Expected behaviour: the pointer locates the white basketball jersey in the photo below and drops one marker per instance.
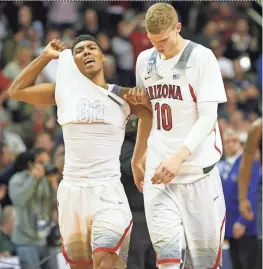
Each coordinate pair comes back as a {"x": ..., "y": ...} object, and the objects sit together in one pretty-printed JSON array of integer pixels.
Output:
[
  {"x": 174, "y": 89},
  {"x": 93, "y": 121}
]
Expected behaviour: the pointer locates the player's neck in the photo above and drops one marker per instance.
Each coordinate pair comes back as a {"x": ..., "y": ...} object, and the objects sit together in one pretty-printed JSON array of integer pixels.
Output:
[
  {"x": 99, "y": 80},
  {"x": 180, "y": 44}
]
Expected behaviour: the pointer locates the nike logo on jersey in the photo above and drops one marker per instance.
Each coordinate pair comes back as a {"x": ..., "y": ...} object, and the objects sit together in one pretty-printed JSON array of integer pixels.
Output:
[
  {"x": 176, "y": 76},
  {"x": 146, "y": 78},
  {"x": 216, "y": 197}
]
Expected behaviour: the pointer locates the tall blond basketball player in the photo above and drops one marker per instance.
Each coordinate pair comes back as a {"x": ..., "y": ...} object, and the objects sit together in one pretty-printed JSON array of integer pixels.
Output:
[
  {"x": 94, "y": 216},
  {"x": 182, "y": 188}
]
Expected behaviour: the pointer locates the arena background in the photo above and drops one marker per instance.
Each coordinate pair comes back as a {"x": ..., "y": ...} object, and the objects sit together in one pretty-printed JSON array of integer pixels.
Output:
[{"x": 233, "y": 30}]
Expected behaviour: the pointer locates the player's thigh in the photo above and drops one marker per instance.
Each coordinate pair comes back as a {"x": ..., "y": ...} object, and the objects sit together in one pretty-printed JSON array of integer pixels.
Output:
[
  {"x": 75, "y": 223},
  {"x": 112, "y": 223},
  {"x": 164, "y": 222},
  {"x": 203, "y": 213}
]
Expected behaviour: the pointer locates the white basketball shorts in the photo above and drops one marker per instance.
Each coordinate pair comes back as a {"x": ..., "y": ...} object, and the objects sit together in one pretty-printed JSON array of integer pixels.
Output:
[
  {"x": 93, "y": 219},
  {"x": 194, "y": 212}
]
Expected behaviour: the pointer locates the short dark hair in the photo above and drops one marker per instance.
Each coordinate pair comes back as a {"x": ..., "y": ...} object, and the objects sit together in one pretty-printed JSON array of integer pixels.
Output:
[
  {"x": 34, "y": 153},
  {"x": 81, "y": 38}
]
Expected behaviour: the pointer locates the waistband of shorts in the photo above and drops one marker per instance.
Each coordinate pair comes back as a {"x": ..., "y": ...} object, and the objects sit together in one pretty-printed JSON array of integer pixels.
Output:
[
  {"x": 90, "y": 182},
  {"x": 196, "y": 170}
]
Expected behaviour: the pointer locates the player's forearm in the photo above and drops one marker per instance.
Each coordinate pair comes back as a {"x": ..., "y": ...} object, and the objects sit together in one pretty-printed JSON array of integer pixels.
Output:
[
  {"x": 143, "y": 132},
  {"x": 250, "y": 149},
  {"x": 201, "y": 129},
  {"x": 244, "y": 175},
  {"x": 29, "y": 75}
]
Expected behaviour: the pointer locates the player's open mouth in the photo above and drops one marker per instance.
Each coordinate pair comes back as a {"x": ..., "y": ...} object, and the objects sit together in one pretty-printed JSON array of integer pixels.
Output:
[{"x": 89, "y": 61}]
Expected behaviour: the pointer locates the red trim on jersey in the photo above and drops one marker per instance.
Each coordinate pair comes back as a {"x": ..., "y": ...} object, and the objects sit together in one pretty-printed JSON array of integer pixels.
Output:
[
  {"x": 114, "y": 249},
  {"x": 216, "y": 147},
  {"x": 192, "y": 92},
  {"x": 75, "y": 262},
  {"x": 164, "y": 261},
  {"x": 219, "y": 253}
]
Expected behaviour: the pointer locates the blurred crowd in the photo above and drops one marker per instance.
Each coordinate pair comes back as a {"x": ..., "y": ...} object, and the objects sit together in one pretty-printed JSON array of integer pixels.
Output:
[{"x": 30, "y": 136}]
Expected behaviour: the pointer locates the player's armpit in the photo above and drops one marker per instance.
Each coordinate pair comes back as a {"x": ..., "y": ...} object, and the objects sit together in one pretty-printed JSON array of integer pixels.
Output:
[{"x": 40, "y": 94}]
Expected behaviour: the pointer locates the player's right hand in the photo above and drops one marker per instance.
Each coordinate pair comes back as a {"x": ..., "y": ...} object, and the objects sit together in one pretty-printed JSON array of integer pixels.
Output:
[
  {"x": 245, "y": 209},
  {"x": 138, "y": 175},
  {"x": 53, "y": 49},
  {"x": 38, "y": 171}
]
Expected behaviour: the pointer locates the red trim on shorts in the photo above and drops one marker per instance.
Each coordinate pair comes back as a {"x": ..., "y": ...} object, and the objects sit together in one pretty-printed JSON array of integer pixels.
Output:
[
  {"x": 75, "y": 262},
  {"x": 192, "y": 92},
  {"x": 216, "y": 147},
  {"x": 114, "y": 249},
  {"x": 219, "y": 253},
  {"x": 164, "y": 261}
]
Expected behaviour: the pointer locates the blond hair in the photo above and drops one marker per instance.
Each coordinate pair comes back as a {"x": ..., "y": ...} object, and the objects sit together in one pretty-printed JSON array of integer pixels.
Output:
[
  {"x": 160, "y": 17},
  {"x": 231, "y": 131},
  {"x": 7, "y": 214}
]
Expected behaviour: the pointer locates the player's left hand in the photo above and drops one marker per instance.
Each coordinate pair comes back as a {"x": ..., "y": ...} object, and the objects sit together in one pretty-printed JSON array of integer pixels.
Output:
[
  {"x": 167, "y": 170},
  {"x": 238, "y": 230},
  {"x": 136, "y": 96}
]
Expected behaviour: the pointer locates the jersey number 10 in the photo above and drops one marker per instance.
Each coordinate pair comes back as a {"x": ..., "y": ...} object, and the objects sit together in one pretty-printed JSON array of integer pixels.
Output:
[{"x": 164, "y": 117}]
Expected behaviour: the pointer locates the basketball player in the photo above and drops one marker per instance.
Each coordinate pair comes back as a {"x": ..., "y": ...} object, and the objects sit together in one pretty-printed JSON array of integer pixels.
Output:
[
  {"x": 253, "y": 143},
  {"x": 94, "y": 215},
  {"x": 182, "y": 187}
]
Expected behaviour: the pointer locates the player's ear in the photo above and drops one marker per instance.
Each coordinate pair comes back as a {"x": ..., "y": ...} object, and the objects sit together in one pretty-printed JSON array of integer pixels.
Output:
[
  {"x": 104, "y": 58},
  {"x": 178, "y": 27}
]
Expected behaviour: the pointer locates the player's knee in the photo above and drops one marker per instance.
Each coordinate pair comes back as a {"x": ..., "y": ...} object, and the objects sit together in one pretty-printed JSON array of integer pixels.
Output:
[
  {"x": 106, "y": 261},
  {"x": 105, "y": 264}
]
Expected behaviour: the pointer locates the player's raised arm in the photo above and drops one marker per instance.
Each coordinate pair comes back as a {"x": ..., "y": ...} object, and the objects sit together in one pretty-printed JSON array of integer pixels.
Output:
[
  {"x": 23, "y": 88},
  {"x": 250, "y": 149}
]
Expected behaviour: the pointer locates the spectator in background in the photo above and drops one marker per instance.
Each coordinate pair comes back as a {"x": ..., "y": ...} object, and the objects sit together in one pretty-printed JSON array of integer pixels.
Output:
[
  {"x": 110, "y": 71},
  {"x": 33, "y": 194},
  {"x": 18, "y": 165},
  {"x": 241, "y": 233},
  {"x": 7, "y": 248},
  {"x": 241, "y": 42},
  {"x": 23, "y": 56},
  {"x": 225, "y": 64},
  {"x": 90, "y": 24},
  {"x": 209, "y": 34},
  {"x": 124, "y": 51},
  {"x": 62, "y": 15},
  {"x": 25, "y": 22},
  {"x": 44, "y": 140},
  {"x": 225, "y": 18},
  {"x": 139, "y": 40},
  {"x": 6, "y": 157}
]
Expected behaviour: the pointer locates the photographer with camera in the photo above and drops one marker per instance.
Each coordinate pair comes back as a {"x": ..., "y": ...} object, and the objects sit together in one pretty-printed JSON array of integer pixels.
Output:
[{"x": 33, "y": 194}]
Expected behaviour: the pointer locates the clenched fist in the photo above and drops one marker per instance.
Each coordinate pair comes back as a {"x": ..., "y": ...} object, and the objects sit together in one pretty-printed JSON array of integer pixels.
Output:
[{"x": 53, "y": 49}]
